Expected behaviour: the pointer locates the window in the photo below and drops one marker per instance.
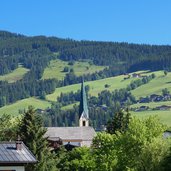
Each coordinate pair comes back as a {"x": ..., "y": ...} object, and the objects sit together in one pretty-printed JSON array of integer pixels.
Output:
[{"x": 83, "y": 123}]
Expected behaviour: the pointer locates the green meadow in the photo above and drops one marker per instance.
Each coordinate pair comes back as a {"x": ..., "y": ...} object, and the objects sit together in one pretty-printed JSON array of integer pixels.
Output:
[
  {"x": 95, "y": 86},
  {"x": 17, "y": 74},
  {"x": 56, "y": 68},
  {"x": 70, "y": 106},
  {"x": 14, "y": 108},
  {"x": 155, "y": 86},
  {"x": 164, "y": 116}
]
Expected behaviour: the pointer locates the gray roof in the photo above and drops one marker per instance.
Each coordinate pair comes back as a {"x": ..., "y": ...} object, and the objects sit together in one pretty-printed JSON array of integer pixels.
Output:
[
  {"x": 71, "y": 133},
  {"x": 9, "y": 154}
]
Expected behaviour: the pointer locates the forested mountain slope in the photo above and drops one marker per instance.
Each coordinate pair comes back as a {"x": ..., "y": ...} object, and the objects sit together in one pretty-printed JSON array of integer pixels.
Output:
[
  {"x": 35, "y": 54},
  {"x": 129, "y": 56}
]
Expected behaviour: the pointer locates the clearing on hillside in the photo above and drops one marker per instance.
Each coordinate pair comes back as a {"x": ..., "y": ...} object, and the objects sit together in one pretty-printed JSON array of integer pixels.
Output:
[
  {"x": 56, "y": 69},
  {"x": 155, "y": 86},
  {"x": 14, "y": 76},
  {"x": 95, "y": 86},
  {"x": 21, "y": 105},
  {"x": 164, "y": 116}
]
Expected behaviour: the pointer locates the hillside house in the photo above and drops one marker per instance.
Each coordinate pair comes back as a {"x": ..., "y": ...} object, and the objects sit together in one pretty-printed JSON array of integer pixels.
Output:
[
  {"x": 144, "y": 100},
  {"x": 156, "y": 98},
  {"x": 163, "y": 107},
  {"x": 134, "y": 75},
  {"x": 14, "y": 156},
  {"x": 81, "y": 135},
  {"x": 142, "y": 108}
]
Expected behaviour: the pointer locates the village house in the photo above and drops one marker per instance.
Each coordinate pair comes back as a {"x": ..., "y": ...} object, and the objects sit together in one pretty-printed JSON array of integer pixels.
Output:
[
  {"x": 144, "y": 100},
  {"x": 163, "y": 107},
  {"x": 14, "y": 156},
  {"x": 142, "y": 108},
  {"x": 135, "y": 75},
  {"x": 81, "y": 135}
]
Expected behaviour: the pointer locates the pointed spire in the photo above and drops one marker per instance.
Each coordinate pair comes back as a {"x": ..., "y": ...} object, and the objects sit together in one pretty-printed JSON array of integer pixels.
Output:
[{"x": 83, "y": 109}]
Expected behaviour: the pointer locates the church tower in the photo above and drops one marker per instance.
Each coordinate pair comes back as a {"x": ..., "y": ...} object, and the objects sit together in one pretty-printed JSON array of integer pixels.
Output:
[{"x": 83, "y": 109}]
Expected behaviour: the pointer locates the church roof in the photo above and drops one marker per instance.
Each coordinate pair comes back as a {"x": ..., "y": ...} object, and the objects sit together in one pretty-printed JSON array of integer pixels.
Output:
[
  {"x": 83, "y": 108},
  {"x": 71, "y": 133}
]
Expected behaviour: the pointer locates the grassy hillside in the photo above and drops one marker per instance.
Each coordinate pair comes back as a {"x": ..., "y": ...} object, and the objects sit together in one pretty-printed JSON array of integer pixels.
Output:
[
  {"x": 56, "y": 67},
  {"x": 95, "y": 86},
  {"x": 13, "y": 109},
  {"x": 70, "y": 106},
  {"x": 164, "y": 116},
  {"x": 17, "y": 74},
  {"x": 155, "y": 86}
]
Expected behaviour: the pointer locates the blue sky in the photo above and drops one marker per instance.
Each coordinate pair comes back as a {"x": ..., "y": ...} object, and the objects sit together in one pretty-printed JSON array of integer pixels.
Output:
[{"x": 134, "y": 21}]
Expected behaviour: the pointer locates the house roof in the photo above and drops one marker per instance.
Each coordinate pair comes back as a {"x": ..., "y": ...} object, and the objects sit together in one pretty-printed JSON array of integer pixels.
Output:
[
  {"x": 83, "y": 108},
  {"x": 71, "y": 133},
  {"x": 9, "y": 154}
]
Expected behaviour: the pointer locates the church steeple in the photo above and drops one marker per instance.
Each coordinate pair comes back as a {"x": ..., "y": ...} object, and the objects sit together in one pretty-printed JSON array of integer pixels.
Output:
[{"x": 83, "y": 109}]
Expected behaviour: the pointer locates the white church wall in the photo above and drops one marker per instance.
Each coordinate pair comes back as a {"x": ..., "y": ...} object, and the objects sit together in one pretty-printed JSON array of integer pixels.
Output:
[{"x": 86, "y": 143}]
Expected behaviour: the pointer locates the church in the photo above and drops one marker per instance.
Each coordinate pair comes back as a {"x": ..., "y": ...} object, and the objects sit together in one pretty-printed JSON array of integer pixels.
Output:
[{"x": 79, "y": 136}]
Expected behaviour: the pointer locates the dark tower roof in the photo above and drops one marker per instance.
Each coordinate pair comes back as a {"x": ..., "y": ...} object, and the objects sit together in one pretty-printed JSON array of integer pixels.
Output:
[{"x": 83, "y": 109}]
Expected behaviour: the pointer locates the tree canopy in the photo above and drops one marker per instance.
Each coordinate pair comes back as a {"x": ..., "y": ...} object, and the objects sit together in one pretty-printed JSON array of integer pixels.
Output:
[{"x": 140, "y": 148}]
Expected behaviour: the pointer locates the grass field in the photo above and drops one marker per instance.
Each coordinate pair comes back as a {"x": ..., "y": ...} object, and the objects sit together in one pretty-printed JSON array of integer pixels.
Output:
[
  {"x": 95, "y": 86},
  {"x": 70, "y": 106},
  {"x": 13, "y": 109},
  {"x": 17, "y": 74},
  {"x": 56, "y": 67},
  {"x": 155, "y": 86},
  {"x": 164, "y": 116}
]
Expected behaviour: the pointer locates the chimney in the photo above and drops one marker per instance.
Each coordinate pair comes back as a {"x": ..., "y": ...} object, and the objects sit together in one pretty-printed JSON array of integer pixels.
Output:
[{"x": 18, "y": 143}]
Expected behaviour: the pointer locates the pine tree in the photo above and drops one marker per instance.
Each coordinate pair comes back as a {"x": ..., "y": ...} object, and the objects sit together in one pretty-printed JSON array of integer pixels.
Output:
[
  {"x": 32, "y": 134},
  {"x": 119, "y": 122},
  {"x": 8, "y": 128}
]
